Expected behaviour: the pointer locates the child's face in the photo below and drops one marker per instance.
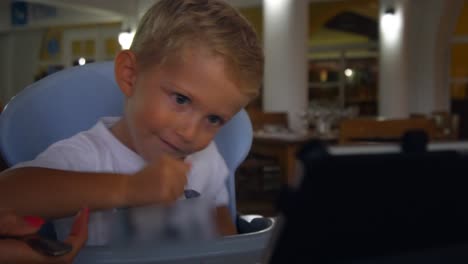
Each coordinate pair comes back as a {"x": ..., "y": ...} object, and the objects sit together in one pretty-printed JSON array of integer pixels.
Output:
[{"x": 177, "y": 108}]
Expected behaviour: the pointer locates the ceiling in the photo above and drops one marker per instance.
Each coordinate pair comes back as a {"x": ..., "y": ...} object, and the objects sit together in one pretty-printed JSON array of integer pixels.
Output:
[
  {"x": 108, "y": 4},
  {"x": 332, "y": 22},
  {"x": 355, "y": 23}
]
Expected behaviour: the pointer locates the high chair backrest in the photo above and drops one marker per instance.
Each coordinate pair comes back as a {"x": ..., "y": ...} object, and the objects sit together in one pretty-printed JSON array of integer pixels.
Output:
[{"x": 73, "y": 100}]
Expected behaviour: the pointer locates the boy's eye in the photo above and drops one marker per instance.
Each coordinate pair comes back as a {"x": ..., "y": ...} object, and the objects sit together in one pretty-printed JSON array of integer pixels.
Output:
[
  {"x": 215, "y": 120},
  {"x": 181, "y": 99}
]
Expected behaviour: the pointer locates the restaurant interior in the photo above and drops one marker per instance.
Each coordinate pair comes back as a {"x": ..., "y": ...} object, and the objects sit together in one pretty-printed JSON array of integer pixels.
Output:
[{"x": 343, "y": 72}]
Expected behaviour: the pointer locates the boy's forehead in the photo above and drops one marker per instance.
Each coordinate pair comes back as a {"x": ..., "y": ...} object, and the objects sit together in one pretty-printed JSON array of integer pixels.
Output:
[
  {"x": 190, "y": 52},
  {"x": 190, "y": 55},
  {"x": 218, "y": 87}
]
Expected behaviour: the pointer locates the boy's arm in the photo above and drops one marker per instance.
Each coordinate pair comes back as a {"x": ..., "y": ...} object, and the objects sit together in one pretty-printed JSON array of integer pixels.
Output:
[
  {"x": 52, "y": 193},
  {"x": 224, "y": 221}
]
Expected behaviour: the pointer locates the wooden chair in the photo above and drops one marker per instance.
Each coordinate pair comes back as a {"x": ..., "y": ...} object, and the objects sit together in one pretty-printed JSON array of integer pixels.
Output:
[
  {"x": 382, "y": 130},
  {"x": 260, "y": 171},
  {"x": 261, "y": 119}
]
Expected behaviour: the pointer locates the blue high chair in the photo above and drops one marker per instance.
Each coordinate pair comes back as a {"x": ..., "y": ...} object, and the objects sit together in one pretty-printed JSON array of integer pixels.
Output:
[{"x": 73, "y": 100}]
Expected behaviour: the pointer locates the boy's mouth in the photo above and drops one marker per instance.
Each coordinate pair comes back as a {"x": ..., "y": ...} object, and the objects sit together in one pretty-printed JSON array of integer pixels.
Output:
[{"x": 174, "y": 150}]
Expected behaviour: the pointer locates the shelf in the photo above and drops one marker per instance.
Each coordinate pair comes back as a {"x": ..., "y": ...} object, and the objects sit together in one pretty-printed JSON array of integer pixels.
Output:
[
  {"x": 360, "y": 100},
  {"x": 324, "y": 85}
]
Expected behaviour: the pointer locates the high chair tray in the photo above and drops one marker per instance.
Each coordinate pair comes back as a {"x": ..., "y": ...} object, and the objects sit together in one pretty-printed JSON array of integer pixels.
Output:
[{"x": 241, "y": 248}]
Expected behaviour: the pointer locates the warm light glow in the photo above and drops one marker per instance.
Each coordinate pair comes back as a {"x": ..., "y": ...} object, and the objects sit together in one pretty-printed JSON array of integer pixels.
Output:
[
  {"x": 126, "y": 39},
  {"x": 391, "y": 26},
  {"x": 348, "y": 73},
  {"x": 276, "y": 6},
  {"x": 81, "y": 61},
  {"x": 323, "y": 75},
  {"x": 388, "y": 21}
]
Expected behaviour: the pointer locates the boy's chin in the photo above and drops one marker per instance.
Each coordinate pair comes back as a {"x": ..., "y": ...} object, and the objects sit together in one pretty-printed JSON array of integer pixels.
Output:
[
  {"x": 176, "y": 154},
  {"x": 154, "y": 156}
]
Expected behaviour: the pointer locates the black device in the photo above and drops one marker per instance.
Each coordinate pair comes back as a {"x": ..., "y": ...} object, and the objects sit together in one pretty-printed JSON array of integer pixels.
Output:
[
  {"x": 45, "y": 246},
  {"x": 189, "y": 194},
  {"x": 48, "y": 246},
  {"x": 406, "y": 207}
]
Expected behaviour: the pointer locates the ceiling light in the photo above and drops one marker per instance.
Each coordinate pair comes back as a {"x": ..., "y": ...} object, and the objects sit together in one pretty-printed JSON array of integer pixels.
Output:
[{"x": 126, "y": 39}]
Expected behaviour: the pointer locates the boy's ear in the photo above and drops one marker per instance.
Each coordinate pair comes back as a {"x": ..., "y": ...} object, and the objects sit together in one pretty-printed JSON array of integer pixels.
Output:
[{"x": 125, "y": 71}]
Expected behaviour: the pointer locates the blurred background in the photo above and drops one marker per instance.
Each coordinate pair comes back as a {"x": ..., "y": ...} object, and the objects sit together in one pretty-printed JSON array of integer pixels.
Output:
[{"x": 327, "y": 61}]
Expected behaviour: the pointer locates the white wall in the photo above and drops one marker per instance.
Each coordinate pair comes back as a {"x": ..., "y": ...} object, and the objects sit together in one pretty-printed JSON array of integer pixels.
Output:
[
  {"x": 97, "y": 33},
  {"x": 19, "y": 59},
  {"x": 431, "y": 28},
  {"x": 413, "y": 75},
  {"x": 20, "y": 54},
  {"x": 4, "y": 14},
  {"x": 64, "y": 17},
  {"x": 286, "y": 71},
  {"x": 5, "y": 75},
  {"x": 423, "y": 21},
  {"x": 20, "y": 45},
  {"x": 393, "y": 67}
]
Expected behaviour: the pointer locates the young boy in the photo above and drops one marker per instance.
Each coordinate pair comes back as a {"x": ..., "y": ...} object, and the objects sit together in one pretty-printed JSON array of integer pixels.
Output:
[{"x": 192, "y": 66}]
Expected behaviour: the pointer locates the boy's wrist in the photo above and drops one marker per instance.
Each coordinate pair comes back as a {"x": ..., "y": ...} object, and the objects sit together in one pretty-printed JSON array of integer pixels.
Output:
[{"x": 122, "y": 197}]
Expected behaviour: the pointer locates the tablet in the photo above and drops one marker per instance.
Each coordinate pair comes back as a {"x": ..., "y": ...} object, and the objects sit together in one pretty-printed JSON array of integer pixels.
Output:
[{"x": 376, "y": 204}]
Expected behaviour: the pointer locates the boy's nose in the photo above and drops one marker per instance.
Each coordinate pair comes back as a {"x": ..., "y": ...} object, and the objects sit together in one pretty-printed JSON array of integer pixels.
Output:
[{"x": 187, "y": 131}]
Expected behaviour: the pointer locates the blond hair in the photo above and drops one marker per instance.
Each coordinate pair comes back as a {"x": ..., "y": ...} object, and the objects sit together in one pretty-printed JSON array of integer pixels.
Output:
[{"x": 171, "y": 25}]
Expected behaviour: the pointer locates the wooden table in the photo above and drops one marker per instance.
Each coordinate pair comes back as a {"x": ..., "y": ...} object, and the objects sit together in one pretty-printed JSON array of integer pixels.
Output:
[{"x": 284, "y": 148}]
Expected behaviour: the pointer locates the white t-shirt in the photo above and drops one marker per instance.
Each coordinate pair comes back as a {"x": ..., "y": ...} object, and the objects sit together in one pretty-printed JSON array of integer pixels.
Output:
[{"x": 98, "y": 150}]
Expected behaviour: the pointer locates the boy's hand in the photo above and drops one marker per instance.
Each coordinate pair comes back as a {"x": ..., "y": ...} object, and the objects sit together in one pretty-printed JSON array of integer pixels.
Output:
[{"x": 161, "y": 181}]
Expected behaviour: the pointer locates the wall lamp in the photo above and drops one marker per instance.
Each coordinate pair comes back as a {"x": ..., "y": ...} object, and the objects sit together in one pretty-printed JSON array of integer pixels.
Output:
[
  {"x": 391, "y": 24},
  {"x": 389, "y": 11}
]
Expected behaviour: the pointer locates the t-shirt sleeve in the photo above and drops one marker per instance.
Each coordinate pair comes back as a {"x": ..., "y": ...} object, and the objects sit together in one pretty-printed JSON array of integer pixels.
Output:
[{"x": 74, "y": 154}]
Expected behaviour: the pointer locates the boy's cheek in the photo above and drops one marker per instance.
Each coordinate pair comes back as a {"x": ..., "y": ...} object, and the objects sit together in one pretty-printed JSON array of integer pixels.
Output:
[{"x": 204, "y": 141}]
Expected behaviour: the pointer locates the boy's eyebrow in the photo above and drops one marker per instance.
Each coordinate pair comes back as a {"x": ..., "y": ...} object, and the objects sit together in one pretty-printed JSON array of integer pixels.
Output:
[{"x": 178, "y": 87}]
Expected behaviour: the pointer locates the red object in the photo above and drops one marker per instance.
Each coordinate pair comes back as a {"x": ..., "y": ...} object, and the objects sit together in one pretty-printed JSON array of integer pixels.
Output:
[{"x": 34, "y": 221}]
